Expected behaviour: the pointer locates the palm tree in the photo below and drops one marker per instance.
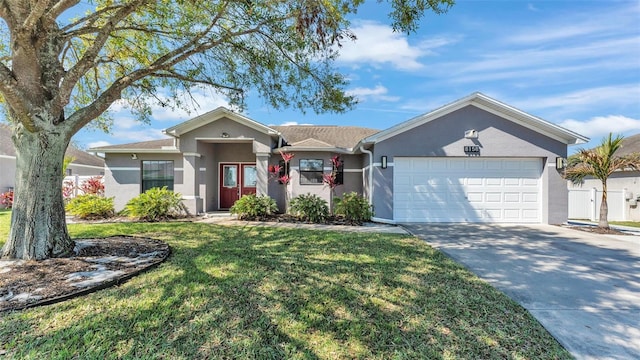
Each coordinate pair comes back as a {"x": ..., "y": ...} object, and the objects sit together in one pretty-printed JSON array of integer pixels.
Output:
[{"x": 600, "y": 162}]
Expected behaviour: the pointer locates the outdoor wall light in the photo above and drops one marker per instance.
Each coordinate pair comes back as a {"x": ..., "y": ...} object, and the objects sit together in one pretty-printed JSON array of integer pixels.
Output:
[
  {"x": 471, "y": 134},
  {"x": 383, "y": 161},
  {"x": 560, "y": 163},
  {"x": 134, "y": 156},
  {"x": 224, "y": 135}
]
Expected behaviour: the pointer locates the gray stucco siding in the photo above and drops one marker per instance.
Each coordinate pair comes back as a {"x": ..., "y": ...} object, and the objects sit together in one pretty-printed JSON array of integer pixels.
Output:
[
  {"x": 214, "y": 130},
  {"x": 497, "y": 138},
  {"x": 352, "y": 177},
  {"x": 122, "y": 179}
]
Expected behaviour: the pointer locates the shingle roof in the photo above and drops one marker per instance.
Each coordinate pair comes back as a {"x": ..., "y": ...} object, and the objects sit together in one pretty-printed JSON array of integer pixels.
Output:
[
  {"x": 339, "y": 136},
  {"x": 630, "y": 144},
  {"x": 143, "y": 145},
  {"x": 81, "y": 157}
]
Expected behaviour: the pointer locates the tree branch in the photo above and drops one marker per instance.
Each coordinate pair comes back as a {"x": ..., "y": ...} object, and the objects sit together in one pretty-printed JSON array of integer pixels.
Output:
[
  {"x": 60, "y": 7},
  {"x": 86, "y": 62},
  {"x": 37, "y": 10}
]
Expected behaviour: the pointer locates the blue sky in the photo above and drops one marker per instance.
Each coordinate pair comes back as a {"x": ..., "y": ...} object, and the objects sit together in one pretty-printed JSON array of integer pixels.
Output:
[{"x": 574, "y": 63}]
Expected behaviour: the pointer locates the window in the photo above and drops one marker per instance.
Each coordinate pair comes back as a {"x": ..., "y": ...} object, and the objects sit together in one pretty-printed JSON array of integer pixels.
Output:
[
  {"x": 340, "y": 174},
  {"x": 311, "y": 171},
  {"x": 157, "y": 173}
]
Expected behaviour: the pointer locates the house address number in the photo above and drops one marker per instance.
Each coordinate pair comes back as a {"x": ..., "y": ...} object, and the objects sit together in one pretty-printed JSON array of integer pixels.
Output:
[{"x": 472, "y": 149}]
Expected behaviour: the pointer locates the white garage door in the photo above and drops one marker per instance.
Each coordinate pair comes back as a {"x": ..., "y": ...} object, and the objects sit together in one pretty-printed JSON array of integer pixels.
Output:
[{"x": 467, "y": 189}]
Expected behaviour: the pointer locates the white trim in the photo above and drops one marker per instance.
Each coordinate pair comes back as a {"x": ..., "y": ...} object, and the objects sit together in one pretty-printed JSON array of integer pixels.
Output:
[
  {"x": 7, "y": 157},
  {"x": 178, "y": 169},
  {"x": 123, "y": 168},
  {"x": 225, "y": 140},
  {"x": 191, "y": 154},
  {"x": 352, "y": 170},
  {"x": 87, "y": 166},
  {"x": 313, "y": 149},
  {"x": 215, "y": 115},
  {"x": 377, "y": 164},
  {"x": 203, "y": 169},
  {"x": 137, "y": 151},
  {"x": 384, "y": 221}
]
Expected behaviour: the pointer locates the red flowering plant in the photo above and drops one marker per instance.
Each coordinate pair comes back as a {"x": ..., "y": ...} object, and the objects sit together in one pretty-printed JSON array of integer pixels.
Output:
[
  {"x": 6, "y": 199},
  {"x": 280, "y": 172},
  {"x": 333, "y": 179},
  {"x": 68, "y": 189},
  {"x": 93, "y": 185}
]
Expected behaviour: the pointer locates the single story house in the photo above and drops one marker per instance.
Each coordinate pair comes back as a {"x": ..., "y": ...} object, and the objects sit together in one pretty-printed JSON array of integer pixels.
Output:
[
  {"x": 83, "y": 164},
  {"x": 623, "y": 191},
  {"x": 473, "y": 160}
]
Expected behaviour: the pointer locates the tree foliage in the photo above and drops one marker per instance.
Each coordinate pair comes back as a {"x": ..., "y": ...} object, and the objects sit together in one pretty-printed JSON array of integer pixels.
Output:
[
  {"x": 64, "y": 63},
  {"x": 600, "y": 162}
]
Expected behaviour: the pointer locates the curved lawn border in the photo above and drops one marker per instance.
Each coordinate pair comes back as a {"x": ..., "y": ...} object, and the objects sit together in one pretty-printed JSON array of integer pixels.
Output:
[{"x": 104, "y": 285}]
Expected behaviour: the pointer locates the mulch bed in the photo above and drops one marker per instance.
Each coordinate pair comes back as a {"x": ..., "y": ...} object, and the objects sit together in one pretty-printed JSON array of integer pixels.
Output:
[
  {"x": 597, "y": 230},
  {"x": 25, "y": 284}
]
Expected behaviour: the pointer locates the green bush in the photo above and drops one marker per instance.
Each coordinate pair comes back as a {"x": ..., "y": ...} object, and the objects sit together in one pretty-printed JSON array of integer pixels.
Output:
[
  {"x": 156, "y": 204},
  {"x": 252, "y": 207},
  {"x": 310, "y": 207},
  {"x": 353, "y": 207},
  {"x": 90, "y": 206}
]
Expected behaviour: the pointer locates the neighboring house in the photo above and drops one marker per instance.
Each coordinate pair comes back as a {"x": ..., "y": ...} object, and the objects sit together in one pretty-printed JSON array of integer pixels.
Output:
[
  {"x": 83, "y": 164},
  {"x": 474, "y": 160},
  {"x": 623, "y": 191}
]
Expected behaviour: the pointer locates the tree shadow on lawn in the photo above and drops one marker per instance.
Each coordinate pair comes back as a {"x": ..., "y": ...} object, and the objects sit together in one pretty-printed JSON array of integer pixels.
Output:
[{"x": 231, "y": 292}]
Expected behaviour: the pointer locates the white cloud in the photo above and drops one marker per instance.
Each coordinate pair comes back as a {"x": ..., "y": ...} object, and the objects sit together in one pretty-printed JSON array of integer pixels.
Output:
[
  {"x": 139, "y": 135},
  {"x": 98, "y": 143},
  {"x": 602, "y": 125},
  {"x": 124, "y": 122},
  {"x": 622, "y": 95},
  {"x": 378, "y": 93},
  {"x": 201, "y": 101},
  {"x": 289, "y": 123},
  {"x": 377, "y": 44}
]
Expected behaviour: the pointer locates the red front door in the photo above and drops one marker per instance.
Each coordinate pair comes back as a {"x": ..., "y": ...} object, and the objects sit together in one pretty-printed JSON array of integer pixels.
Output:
[{"x": 236, "y": 180}]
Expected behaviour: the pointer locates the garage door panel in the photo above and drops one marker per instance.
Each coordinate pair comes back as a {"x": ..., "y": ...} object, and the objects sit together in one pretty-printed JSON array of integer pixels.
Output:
[
  {"x": 530, "y": 197},
  {"x": 467, "y": 190},
  {"x": 494, "y": 182}
]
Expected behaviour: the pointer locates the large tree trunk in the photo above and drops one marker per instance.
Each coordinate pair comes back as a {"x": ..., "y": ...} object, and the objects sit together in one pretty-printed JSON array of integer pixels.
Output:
[
  {"x": 604, "y": 208},
  {"x": 38, "y": 227}
]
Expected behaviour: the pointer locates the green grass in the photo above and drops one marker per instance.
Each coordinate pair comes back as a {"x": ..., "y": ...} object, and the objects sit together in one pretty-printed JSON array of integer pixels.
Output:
[
  {"x": 625, "y": 223},
  {"x": 268, "y": 293}
]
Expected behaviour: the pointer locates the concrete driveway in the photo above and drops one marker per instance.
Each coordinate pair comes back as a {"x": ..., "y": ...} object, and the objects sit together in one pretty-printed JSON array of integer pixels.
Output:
[{"x": 583, "y": 288}]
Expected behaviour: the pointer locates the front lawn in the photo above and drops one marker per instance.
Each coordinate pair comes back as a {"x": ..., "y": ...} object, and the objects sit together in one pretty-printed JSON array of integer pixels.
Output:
[
  {"x": 625, "y": 223},
  {"x": 271, "y": 293}
]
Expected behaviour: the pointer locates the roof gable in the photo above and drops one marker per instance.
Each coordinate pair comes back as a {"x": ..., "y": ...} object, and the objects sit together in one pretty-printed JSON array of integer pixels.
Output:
[
  {"x": 630, "y": 144},
  {"x": 153, "y": 146},
  {"x": 215, "y": 115},
  {"x": 490, "y": 105},
  {"x": 324, "y": 136}
]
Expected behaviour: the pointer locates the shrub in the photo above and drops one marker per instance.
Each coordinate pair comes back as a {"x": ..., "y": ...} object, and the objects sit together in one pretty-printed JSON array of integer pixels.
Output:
[
  {"x": 93, "y": 185},
  {"x": 252, "y": 207},
  {"x": 310, "y": 207},
  {"x": 156, "y": 204},
  {"x": 6, "y": 199},
  {"x": 90, "y": 206},
  {"x": 353, "y": 207}
]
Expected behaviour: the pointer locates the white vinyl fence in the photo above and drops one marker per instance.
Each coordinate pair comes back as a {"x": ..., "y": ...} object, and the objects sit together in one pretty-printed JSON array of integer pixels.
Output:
[
  {"x": 585, "y": 204},
  {"x": 74, "y": 182}
]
